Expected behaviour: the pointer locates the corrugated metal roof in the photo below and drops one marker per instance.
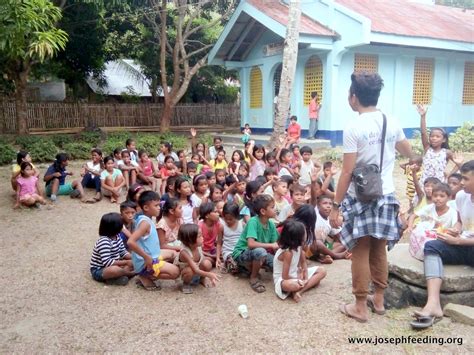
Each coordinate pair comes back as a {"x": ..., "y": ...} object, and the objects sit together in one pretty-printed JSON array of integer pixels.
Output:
[
  {"x": 279, "y": 12},
  {"x": 409, "y": 18}
]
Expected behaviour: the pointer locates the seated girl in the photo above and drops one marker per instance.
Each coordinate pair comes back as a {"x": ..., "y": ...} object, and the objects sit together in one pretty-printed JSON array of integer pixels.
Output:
[
  {"x": 27, "y": 191},
  {"x": 112, "y": 180},
  {"x": 91, "y": 174},
  {"x": 169, "y": 223}
]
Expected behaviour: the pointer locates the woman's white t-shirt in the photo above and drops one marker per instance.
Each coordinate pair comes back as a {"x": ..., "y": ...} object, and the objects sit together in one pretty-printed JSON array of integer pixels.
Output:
[{"x": 363, "y": 136}]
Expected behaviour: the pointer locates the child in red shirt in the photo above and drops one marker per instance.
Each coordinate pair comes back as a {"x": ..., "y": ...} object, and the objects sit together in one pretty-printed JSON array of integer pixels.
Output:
[{"x": 293, "y": 131}]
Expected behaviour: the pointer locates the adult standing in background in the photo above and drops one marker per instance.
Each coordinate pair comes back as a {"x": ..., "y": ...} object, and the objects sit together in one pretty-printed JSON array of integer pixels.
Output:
[{"x": 314, "y": 107}]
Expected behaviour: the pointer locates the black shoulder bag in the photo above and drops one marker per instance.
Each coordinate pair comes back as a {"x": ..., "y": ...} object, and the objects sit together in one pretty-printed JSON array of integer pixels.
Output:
[{"x": 367, "y": 178}]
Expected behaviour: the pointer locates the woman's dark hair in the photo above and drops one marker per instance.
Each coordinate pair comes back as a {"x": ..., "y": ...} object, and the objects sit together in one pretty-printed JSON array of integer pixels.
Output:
[
  {"x": 60, "y": 158},
  {"x": 307, "y": 215},
  {"x": 107, "y": 159},
  {"x": 111, "y": 224},
  {"x": 445, "y": 144},
  {"x": 251, "y": 188},
  {"x": 205, "y": 209},
  {"x": 259, "y": 147},
  {"x": 20, "y": 156},
  {"x": 231, "y": 209},
  {"x": 168, "y": 205},
  {"x": 188, "y": 234},
  {"x": 366, "y": 87},
  {"x": 292, "y": 235},
  {"x": 133, "y": 190},
  {"x": 167, "y": 145},
  {"x": 239, "y": 152}
]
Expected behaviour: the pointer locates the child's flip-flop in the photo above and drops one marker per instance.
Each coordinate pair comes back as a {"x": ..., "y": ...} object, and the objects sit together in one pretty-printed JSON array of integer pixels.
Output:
[
  {"x": 257, "y": 286},
  {"x": 153, "y": 287},
  {"x": 343, "y": 310}
]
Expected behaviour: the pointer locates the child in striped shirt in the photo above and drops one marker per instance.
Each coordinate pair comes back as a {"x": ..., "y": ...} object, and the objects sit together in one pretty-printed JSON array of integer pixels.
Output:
[{"x": 110, "y": 261}]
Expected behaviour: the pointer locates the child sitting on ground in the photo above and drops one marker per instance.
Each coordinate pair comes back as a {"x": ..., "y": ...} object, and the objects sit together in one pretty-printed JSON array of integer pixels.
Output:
[
  {"x": 110, "y": 261},
  {"x": 55, "y": 179},
  {"x": 454, "y": 182},
  {"x": 128, "y": 209},
  {"x": 435, "y": 217},
  {"x": 169, "y": 223},
  {"x": 149, "y": 261},
  {"x": 291, "y": 274},
  {"x": 193, "y": 265},
  {"x": 129, "y": 168},
  {"x": 329, "y": 247},
  {"x": 232, "y": 229},
  {"x": 131, "y": 148},
  {"x": 326, "y": 180},
  {"x": 148, "y": 174},
  {"x": 259, "y": 236},
  {"x": 27, "y": 191},
  {"x": 280, "y": 190},
  {"x": 112, "y": 180},
  {"x": 298, "y": 195},
  {"x": 211, "y": 229},
  {"x": 22, "y": 156},
  {"x": 91, "y": 174}
]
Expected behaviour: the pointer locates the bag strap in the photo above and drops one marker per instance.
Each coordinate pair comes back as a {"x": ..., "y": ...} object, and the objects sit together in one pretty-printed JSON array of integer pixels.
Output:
[{"x": 384, "y": 131}]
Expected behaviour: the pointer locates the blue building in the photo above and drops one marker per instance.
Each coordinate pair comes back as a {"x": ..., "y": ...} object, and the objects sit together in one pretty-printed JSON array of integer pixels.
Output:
[{"x": 424, "y": 53}]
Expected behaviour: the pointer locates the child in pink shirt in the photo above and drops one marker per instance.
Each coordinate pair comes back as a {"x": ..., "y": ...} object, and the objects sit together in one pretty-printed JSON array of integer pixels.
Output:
[
  {"x": 293, "y": 131},
  {"x": 27, "y": 191}
]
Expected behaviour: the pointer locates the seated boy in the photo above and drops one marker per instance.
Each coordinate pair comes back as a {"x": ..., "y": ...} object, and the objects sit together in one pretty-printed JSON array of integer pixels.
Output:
[
  {"x": 454, "y": 182},
  {"x": 149, "y": 261},
  {"x": 257, "y": 243},
  {"x": 298, "y": 196},
  {"x": 326, "y": 180},
  {"x": 55, "y": 179}
]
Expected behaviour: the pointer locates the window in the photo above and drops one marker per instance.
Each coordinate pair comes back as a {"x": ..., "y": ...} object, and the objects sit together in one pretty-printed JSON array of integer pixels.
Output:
[
  {"x": 366, "y": 62},
  {"x": 423, "y": 81},
  {"x": 468, "y": 87},
  {"x": 313, "y": 79},
  {"x": 255, "y": 88}
]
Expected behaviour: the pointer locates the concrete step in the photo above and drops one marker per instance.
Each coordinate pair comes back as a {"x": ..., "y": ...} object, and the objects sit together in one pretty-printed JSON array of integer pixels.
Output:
[{"x": 235, "y": 140}]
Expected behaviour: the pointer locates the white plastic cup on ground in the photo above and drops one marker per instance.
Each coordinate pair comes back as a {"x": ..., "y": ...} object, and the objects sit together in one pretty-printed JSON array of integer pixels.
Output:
[{"x": 243, "y": 311}]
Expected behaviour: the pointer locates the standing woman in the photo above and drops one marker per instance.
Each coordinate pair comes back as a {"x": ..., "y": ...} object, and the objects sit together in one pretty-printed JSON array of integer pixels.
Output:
[{"x": 368, "y": 227}]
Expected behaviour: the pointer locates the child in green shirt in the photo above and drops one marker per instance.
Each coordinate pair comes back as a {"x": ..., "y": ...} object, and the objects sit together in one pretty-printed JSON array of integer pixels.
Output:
[{"x": 257, "y": 244}]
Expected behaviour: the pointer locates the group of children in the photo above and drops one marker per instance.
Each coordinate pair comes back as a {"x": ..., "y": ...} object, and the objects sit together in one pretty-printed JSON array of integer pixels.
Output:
[{"x": 256, "y": 210}]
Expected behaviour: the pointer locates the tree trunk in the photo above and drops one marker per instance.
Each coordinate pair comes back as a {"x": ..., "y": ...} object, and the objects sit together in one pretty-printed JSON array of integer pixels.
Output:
[
  {"x": 20, "y": 103},
  {"x": 166, "y": 116},
  {"x": 290, "y": 56}
]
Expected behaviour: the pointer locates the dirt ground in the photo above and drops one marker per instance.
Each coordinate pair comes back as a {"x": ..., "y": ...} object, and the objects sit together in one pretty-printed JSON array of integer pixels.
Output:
[{"x": 49, "y": 303}]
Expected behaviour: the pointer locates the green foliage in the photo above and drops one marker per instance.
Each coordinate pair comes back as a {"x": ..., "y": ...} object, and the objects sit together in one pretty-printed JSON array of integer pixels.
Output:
[
  {"x": 333, "y": 155},
  {"x": 60, "y": 140},
  {"x": 150, "y": 143},
  {"x": 28, "y": 30},
  {"x": 179, "y": 142},
  {"x": 206, "y": 138},
  {"x": 463, "y": 139},
  {"x": 42, "y": 150},
  {"x": 110, "y": 145},
  {"x": 93, "y": 138},
  {"x": 7, "y": 153},
  {"x": 130, "y": 95},
  {"x": 78, "y": 150},
  {"x": 25, "y": 142}
]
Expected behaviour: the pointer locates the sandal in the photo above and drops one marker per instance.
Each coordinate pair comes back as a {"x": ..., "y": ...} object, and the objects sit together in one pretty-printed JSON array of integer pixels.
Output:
[
  {"x": 153, "y": 287},
  {"x": 343, "y": 310},
  {"x": 423, "y": 322},
  {"x": 231, "y": 265},
  {"x": 371, "y": 306},
  {"x": 257, "y": 286}
]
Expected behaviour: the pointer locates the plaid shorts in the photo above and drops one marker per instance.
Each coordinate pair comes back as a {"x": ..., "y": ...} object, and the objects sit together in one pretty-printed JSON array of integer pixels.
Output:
[{"x": 378, "y": 219}]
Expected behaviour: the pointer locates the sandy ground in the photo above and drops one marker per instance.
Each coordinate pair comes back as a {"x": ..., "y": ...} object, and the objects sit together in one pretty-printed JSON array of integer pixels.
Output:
[{"x": 49, "y": 303}]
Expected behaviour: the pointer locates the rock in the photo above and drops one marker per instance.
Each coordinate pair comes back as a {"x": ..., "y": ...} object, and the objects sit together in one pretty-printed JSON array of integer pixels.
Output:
[
  {"x": 457, "y": 278},
  {"x": 460, "y": 313},
  {"x": 400, "y": 294}
]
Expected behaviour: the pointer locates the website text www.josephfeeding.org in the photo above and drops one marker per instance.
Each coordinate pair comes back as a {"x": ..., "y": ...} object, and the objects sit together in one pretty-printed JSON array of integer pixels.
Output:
[{"x": 405, "y": 340}]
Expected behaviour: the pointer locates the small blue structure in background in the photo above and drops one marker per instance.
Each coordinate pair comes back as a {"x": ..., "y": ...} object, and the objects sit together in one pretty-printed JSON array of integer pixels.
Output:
[{"x": 424, "y": 53}]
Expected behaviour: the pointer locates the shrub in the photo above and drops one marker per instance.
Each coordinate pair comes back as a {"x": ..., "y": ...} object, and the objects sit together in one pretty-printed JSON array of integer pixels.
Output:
[
  {"x": 463, "y": 139},
  {"x": 120, "y": 136},
  {"x": 78, "y": 150},
  {"x": 150, "y": 143},
  {"x": 93, "y": 137},
  {"x": 7, "y": 153},
  {"x": 206, "y": 138},
  {"x": 25, "y": 142},
  {"x": 333, "y": 155},
  {"x": 178, "y": 141},
  {"x": 43, "y": 150},
  {"x": 60, "y": 140},
  {"x": 110, "y": 145}
]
